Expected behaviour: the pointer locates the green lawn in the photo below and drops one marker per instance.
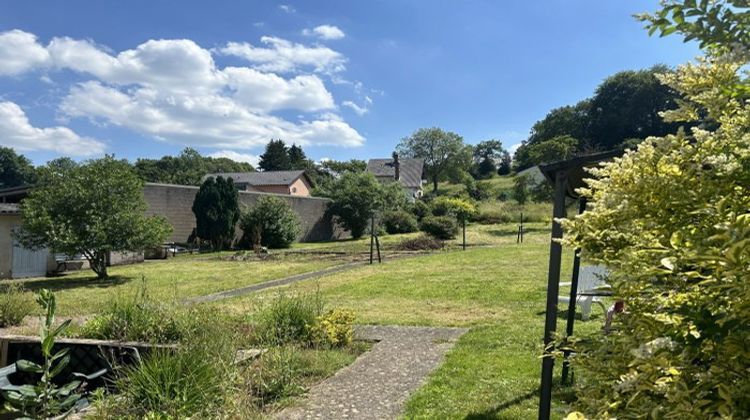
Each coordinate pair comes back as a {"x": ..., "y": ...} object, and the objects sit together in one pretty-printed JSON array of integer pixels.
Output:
[
  {"x": 497, "y": 288},
  {"x": 499, "y": 292},
  {"x": 80, "y": 293}
]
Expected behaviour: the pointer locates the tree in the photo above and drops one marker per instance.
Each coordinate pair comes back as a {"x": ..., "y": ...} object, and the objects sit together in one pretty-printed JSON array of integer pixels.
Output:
[
  {"x": 486, "y": 156},
  {"x": 273, "y": 221},
  {"x": 188, "y": 168},
  {"x": 624, "y": 106},
  {"x": 356, "y": 196},
  {"x": 442, "y": 152},
  {"x": 520, "y": 191},
  {"x": 505, "y": 165},
  {"x": 90, "y": 209},
  {"x": 216, "y": 209},
  {"x": 627, "y": 105},
  {"x": 15, "y": 169},
  {"x": 336, "y": 168},
  {"x": 276, "y": 157},
  {"x": 554, "y": 149},
  {"x": 298, "y": 159}
]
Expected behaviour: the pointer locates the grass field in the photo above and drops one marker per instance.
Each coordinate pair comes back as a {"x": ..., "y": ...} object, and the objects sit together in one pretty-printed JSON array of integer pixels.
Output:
[
  {"x": 493, "y": 372},
  {"x": 81, "y": 293},
  {"x": 497, "y": 288}
]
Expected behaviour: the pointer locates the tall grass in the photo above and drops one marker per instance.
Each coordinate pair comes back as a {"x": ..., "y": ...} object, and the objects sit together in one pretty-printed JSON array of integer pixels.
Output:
[
  {"x": 15, "y": 305},
  {"x": 289, "y": 318}
]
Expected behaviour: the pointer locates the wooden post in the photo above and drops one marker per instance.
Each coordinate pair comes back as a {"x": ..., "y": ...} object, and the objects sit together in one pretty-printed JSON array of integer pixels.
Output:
[
  {"x": 463, "y": 222},
  {"x": 573, "y": 297},
  {"x": 377, "y": 245},
  {"x": 372, "y": 236},
  {"x": 553, "y": 289}
]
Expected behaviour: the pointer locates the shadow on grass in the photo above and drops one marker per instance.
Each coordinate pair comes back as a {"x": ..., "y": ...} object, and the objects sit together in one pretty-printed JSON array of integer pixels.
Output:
[
  {"x": 595, "y": 315},
  {"x": 61, "y": 283},
  {"x": 494, "y": 412}
]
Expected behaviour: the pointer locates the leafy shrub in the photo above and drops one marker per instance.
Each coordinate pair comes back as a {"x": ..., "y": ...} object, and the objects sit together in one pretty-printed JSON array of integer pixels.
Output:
[
  {"x": 399, "y": 221},
  {"x": 420, "y": 243},
  {"x": 171, "y": 384},
  {"x": 420, "y": 209},
  {"x": 671, "y": 220},
  {"x": 290, "y": 319},
  {"x": 273, "y": 220},
  {"x": 335, "y": 328},
  {"x": 480, "y": 191},
  {"x": 15, "y": 305},
  {"x": 441, "y": 227},
  {"x": 137, "y": 319},
  {"x": 440, "y": 206},
  {"x": 504, "y": 196},
  {"x": 356, "y": 196}
]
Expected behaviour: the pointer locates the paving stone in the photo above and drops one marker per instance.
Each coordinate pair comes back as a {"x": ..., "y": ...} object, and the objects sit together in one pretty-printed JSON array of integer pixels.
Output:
[{"x": 378, "y": 383}]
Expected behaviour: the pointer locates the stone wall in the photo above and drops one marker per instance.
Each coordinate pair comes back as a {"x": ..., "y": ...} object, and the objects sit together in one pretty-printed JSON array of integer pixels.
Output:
[{"x": 175, "y": 202}]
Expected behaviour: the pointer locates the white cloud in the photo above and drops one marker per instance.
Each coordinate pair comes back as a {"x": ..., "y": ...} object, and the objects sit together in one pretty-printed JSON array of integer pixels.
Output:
[
  {"x": 512, "y": 149},
  {"x": 287, "y": 8},
  {"x": 173, "y": 90},
  {"x": 208, "y": 121},
  {"x": 17, "y": 132},
  {"x": 19, "y": 52},
  {"x": 327, "y": 32},
  {"x": 286, "y": 56},
  {"x": 359, "y": 110},
  {"x": 267, "y": 91},
  {"x": 237, "y": 157}
]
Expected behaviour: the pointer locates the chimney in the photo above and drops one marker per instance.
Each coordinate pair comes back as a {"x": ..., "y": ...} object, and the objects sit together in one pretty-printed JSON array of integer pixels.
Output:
[{"x": 396, "y": 167}]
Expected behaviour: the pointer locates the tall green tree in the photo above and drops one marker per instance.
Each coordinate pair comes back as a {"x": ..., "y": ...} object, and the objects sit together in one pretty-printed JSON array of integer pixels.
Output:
[
  {"x": 187, "y": 168},
  {"x": 216, "y": 209},
  {"x": 298, "y": 159},
  {"x": 276, "y": 157},
  {"x": 443, "y": 152},
  {"x": 505, "y": 165},
  {"x": 90, "y": 209},
  {"x": 554, "y": 149},
  {"x": 15, "y": 169},
  {"x": 486, "y": 156},
  {"x": 627, "y": 104},
  {"x": 357, "y": 196}
]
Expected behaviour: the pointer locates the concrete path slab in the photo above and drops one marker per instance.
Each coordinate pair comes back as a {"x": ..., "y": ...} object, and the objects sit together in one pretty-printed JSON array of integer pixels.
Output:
[{"x": 378, "y": 383}]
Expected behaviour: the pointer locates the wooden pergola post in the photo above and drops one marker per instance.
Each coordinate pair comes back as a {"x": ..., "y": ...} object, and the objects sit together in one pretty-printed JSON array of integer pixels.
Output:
[
  {"x": 566, "y": 176},
  {"x": 553, "y": 288},
  {"x": 573, "y": 298}
]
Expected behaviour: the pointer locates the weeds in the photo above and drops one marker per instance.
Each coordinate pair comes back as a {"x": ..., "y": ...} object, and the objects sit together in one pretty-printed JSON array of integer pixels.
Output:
[{"x": 15, "y": 305}]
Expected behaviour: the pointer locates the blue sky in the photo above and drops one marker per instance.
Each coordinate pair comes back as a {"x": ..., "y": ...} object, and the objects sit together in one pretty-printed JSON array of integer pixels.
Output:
[{"x": 347, "y": 79}]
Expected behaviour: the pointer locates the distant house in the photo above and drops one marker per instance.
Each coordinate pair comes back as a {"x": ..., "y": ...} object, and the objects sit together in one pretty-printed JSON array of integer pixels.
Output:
[
  {"x": 15, "y": 260},
  {"x": 278, "y": 182},
  {"x": 408, "y": 172},
  {"x": 533, "y": 174}
]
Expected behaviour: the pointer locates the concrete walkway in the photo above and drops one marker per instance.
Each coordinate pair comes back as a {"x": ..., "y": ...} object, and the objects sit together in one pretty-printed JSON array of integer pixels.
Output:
[
  {"x": 378, "y": 383},
  {"x": 273, "y": 283}
]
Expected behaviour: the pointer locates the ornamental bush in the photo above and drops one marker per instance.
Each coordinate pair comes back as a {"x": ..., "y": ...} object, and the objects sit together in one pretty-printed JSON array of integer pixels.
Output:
[
  {"x": 399, "y": 221},
  {"x": 335, "y": 328},
  {"x": 273, "y": 221},
  {"x": 440, "y": 227},
  {"x": 671, "y": 219}
]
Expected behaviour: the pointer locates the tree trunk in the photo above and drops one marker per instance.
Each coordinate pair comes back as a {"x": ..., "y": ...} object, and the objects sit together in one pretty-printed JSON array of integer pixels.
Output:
[
  {"x": 434, "y": 184},
  {"x": 98, "y": 263}
]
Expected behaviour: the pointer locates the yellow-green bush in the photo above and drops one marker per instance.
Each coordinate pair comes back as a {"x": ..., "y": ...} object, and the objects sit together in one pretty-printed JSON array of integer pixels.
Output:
[
  {"x": 672, "y": 220},
  {"x": 335, "y": 328}
]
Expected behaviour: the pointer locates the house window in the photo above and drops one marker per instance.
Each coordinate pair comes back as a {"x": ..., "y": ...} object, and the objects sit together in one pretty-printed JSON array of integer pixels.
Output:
[{"x": 294, "y": 190}]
